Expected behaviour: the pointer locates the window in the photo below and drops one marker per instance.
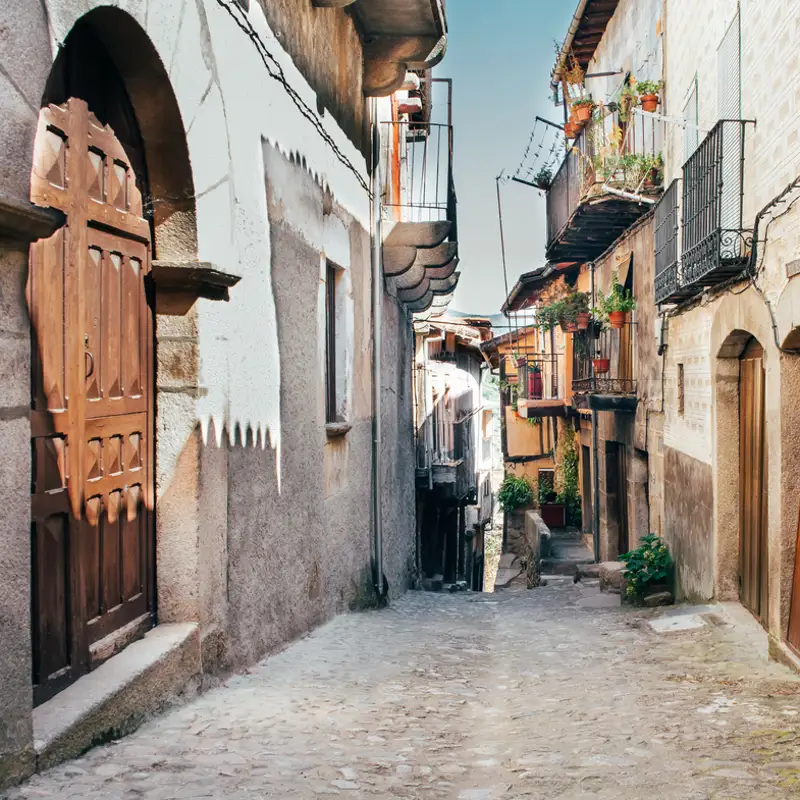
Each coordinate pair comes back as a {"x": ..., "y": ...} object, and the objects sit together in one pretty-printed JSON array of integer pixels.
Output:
[
  {"x": 331, "y": 394},
  {"x": 681, "y": 395},
  {"x": 546, "y": 481}
]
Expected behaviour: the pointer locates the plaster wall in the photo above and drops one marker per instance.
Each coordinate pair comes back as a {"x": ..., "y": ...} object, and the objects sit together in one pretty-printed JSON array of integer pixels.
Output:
[
  {"x": 240, "y": 434},
  {"x": 632, "y": 43}
]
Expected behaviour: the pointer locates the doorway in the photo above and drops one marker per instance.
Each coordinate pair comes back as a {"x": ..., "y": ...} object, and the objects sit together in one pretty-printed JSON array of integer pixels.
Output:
[
  {"x": 753, "y": 561},
  {"x": 92, "y": 376},
  {"x": 617, "y": 495}
]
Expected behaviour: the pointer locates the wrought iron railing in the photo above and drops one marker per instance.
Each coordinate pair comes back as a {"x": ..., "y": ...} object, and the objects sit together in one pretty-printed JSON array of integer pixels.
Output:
[
  {"x": 667, "y": 227},
  {"x": 419, "y": 164},
  {"x": 608, "y": 156},
  {"x": 538, "y": 377},
  {"x": 606, "y": 364},
  {"x": 715, "y": 243}
]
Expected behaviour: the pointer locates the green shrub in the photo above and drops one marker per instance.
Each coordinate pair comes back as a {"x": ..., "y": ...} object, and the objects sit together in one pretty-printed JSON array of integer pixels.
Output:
[
  {"x": 515, "y": 493},
  {"x": 648, "y": 564}
]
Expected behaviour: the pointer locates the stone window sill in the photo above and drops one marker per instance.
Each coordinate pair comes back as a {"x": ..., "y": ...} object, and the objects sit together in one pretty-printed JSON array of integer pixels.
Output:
[{"x": 335, "y": 429}]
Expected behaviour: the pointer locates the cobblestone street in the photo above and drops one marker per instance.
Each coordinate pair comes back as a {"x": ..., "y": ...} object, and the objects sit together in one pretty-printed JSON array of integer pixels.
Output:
[{"x": 537, "y": 694}]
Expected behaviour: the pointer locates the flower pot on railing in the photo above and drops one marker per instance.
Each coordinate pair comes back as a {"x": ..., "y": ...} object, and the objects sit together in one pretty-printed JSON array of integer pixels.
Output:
[
  {"x": 616, "y": 319},
  {"x": 570, "y": 130},
  {"x": 649, "y": 103},
  {"x": 583, "y": 111},
  {"x": 601, "y": 365},
  {"x": 582, "y": 321}
]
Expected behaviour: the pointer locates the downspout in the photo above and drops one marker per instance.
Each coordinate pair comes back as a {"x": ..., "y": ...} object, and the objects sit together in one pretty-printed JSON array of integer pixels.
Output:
[
  {"x": 595, "y": 444},
  {"x": 376, "y": 234}
]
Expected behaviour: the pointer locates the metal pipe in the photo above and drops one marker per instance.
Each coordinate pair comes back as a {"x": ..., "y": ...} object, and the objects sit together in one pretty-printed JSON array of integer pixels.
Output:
[
  {"x": 376, "y": 234},
  {"x": 595, "y": 443},
  {"x": 567, "y": 46},
  {"x": 502, "y": 234}
]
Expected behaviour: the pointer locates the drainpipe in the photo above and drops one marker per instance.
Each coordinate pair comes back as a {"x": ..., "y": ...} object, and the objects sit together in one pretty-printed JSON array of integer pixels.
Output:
[
  {"x": 378, "y": 577},
  {"x": 595, "y": 442}
]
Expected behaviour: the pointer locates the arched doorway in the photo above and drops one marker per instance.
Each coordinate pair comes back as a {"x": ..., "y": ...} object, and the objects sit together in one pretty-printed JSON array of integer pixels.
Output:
[
  {"x": 753, "y": 540},
  {"x": 93, "y": 392}
]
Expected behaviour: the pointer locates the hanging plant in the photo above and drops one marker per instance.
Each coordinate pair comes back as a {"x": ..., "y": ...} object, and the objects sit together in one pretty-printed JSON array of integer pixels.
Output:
[
  {"x": 628, "y": 98},
  {"x": 576, "y": 311},
  {"x": 649, "y": 92},
  {"x": 583, "y": 109},
  {"x": 543, "y": 178},
  {"x": 601, "y": 365}
]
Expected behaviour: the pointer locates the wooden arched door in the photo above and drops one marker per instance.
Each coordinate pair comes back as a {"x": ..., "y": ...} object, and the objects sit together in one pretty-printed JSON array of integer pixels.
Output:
[
  {"x": 92, "y": 403},
  {"x": 753, "y": 561}
]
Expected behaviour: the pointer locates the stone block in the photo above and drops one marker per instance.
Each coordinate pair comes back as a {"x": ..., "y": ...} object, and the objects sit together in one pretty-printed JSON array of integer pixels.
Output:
[
  {"x": 14, "y": 371},
  {"x": 659, "y": 599},
  {"x": 612, "y": 576}
]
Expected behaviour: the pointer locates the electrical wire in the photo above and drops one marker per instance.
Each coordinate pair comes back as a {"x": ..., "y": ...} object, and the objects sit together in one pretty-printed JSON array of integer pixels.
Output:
[{"x": 275, "y": 71}]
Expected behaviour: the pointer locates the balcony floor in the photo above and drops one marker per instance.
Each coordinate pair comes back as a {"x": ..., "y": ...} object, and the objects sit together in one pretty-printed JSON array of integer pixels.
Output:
[{"x": 593, "y": 227}]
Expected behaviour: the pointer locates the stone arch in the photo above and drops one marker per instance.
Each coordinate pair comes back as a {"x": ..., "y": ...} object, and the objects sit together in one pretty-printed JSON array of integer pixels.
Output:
[
  {"x": 738, "y": 318},
  {"x": 109, "y": 33},
  {"x": 787, "y": 316},
  {"x": 166, "y": 177}
]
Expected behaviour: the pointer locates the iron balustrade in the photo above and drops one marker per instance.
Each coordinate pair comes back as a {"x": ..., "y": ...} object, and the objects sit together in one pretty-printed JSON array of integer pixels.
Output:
[
  {"x": 608, "y": 156},
  {"x": 667, "y": 227},
  {"x": 419, "y": 185},
  {"x": 715, "y": 242},
  {"x": 617, "y": 346},
  {"x": 538, "y": 377}
]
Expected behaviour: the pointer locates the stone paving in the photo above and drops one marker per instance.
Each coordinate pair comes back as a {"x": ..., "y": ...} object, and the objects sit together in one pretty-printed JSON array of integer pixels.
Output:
[{"x": 529, "y": 694}]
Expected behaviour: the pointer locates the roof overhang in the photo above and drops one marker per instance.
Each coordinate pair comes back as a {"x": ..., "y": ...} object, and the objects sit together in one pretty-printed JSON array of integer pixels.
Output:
[
  {"x": 530, "y": 283},
  {"x": 585, "y": 32},
  {"x": 398, "y": 36}
]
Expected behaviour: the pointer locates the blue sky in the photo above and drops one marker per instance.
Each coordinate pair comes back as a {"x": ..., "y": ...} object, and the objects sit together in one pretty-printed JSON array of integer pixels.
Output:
[{"x": 499, "y": 55}]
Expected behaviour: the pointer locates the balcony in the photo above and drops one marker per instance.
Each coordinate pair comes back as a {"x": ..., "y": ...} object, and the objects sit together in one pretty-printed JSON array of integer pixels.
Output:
[
  {"x": 538, "y": 390},
  {"x": 605, "y": 370},
  {"x": 668, "y": 285},
  {"x": 715, "y": 245},
  {"x": 446, "y": 452},
  {"x": 607, "y": 181},
  {"x": 419, "y": 211}
]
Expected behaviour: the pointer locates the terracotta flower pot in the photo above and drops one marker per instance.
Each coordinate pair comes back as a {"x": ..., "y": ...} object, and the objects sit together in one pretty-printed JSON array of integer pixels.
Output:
[
  {"x": 570, "y": 130},
  {"x": 584, "y": 113},
  {"x": 616, "y": 319},
  {"x": 572, "y": 327},
  {"x": 601, "y": 365},
  {"x": 583, "y": 321},
  {"x": 649, "y": 102}
]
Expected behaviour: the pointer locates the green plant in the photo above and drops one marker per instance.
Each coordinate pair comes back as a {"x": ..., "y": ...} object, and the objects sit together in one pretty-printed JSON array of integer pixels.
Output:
[
  {"x": 649, "y": 87},
  {"x": 576, "y": 303},
  {"x": 543, "y": 178},
  {"x": 618, "y": 299},
  {"x": 648, "y": 564},
  {"x": 568, "y": 473},
  {"x": 515, "y": 492},
  {"x": 628, "y": 98},
  {"x": 583, "y": 101},
  {"x": 548, "y": 316}
]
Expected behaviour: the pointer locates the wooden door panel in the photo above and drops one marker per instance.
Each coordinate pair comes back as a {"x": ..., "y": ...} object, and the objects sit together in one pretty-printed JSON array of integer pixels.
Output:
[
  {"x": 793, "y": 635},
  {"x": 92, "y": 402},
  {"x": 753, "y": 561}
]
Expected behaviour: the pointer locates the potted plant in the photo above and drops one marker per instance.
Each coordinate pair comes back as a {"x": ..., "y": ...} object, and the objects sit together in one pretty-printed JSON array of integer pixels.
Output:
[
  {"x": 543, "y": 178},
  {"x": 649, "y": 92},
  {"x": 570, "y": 130},
  {"x": 601, "y": 365},
  {"x": 578, "y": 305},
  {"x": 627, "y": 100},
  {"x": 618, "y": 303},
  {"x": 583, "y": 110},
  {"x": 553, "y": 512},
  {"x": 654, "y": 166},
  {"x": 548, "y": 316}
]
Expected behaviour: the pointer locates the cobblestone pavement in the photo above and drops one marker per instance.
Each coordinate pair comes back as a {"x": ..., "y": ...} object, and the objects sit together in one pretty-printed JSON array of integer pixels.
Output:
[{"x": 473, "y": 697}]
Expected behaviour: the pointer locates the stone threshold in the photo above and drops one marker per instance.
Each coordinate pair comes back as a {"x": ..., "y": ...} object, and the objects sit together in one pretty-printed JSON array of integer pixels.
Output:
[{"x": 118, "y": 696}]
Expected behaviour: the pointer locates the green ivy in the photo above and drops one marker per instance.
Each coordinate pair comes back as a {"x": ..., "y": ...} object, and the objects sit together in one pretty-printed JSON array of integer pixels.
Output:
[
  {"x": 570, "y": 494},
  {"x": 515, "y": 492}
]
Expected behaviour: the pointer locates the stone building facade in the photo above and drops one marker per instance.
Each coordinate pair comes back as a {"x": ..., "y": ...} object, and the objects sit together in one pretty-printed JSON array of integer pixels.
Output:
[{"x": 245, "y": 131}]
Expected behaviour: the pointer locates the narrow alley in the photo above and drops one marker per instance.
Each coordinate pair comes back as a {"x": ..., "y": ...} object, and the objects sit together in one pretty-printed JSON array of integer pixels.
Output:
[{"x": 476, "y": 697}]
